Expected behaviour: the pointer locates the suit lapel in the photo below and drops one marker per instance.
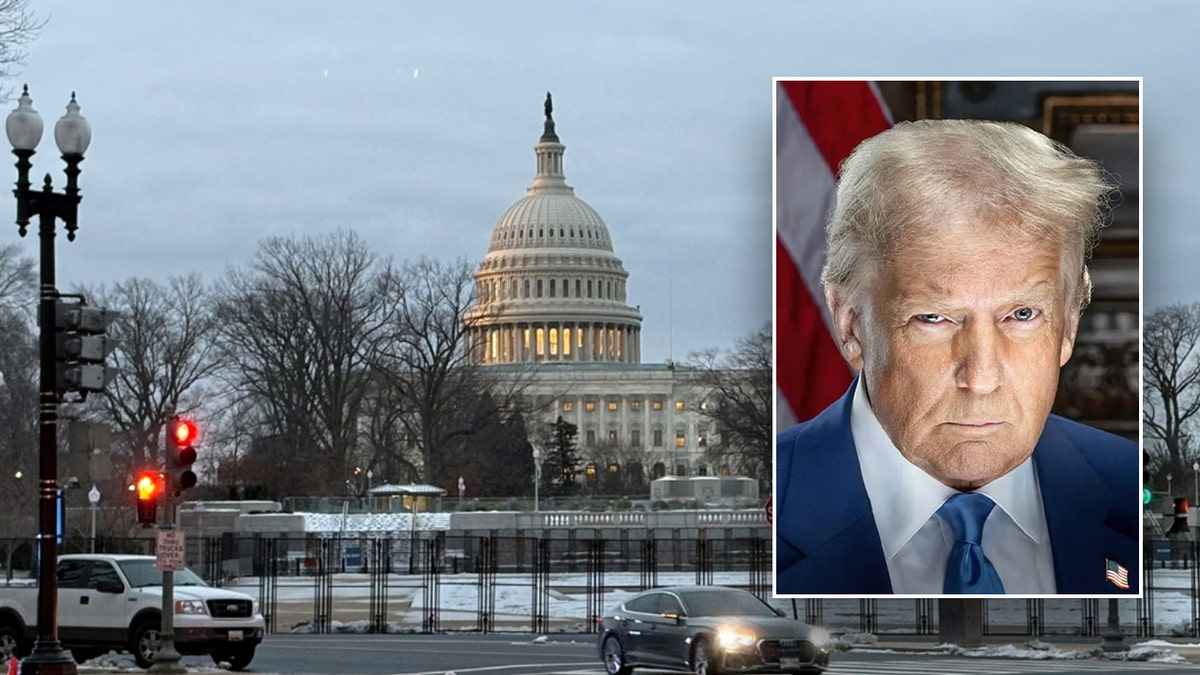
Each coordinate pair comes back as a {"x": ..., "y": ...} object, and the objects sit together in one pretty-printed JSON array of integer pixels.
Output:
[
  {"x": 826, "y": 514},
  {"x": 1077, "y": 503}
]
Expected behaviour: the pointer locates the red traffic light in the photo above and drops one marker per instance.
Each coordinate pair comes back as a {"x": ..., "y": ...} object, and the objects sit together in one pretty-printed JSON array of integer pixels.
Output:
[{"x": 184, "y": 432}]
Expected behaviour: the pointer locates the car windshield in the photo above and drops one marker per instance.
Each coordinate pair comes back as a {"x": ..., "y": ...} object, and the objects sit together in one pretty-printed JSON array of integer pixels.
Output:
[
  {"x": 142, "y": 573},
  {"x": 725, "y": 603}
]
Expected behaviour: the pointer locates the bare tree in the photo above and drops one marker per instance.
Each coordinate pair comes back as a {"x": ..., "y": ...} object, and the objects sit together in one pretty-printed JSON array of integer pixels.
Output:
[
  {"x": 441, "y": 395},
  {"x": 739, "y": 402},
  {"x": 18, "y": 392},
  {"x": 296, "y": 330},
  {"x": 18, "y": 27},
  {"x": 165, "y": 357},
  {"x": 1171, "y": 372}
]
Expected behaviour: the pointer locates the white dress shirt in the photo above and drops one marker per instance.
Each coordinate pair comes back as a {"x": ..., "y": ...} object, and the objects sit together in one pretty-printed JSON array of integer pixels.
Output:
[{"x": 916, "y": 541}]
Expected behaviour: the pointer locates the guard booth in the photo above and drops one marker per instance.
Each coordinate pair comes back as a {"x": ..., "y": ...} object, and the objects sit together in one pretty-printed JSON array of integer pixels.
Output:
[{"x": 414, "y": 498}]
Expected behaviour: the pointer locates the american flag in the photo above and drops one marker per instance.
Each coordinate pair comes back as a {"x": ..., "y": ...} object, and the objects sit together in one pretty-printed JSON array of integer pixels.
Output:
[
  {"x": 1117, "y": 574},
  {"x": 818, "y": 124}
]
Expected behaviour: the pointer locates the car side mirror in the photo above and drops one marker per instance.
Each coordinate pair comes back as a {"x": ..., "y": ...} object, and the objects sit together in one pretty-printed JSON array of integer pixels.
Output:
[
  {"x": 779, "y": 612},
  {"x": 110, "y": 586}
]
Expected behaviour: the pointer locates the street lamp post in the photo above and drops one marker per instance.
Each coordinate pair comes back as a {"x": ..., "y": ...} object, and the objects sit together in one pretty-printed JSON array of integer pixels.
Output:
[
  {"x": 537, "y": 475},
  {"x": 72, "y": 135},
  {"x": 94, "y": 498}
]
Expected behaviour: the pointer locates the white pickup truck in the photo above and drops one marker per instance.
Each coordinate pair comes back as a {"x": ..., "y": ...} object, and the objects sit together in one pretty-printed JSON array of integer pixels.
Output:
[{"x": 115, "y": 602}]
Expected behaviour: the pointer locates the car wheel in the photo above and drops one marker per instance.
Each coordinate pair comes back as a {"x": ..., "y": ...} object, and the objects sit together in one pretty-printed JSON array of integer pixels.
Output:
[
  {"x": 614, "y": 657},
  {"x": 145, "y": 642},
  {"x": 237, "y": 659},
  {"x": 704, "y": 659},
  {"x": 10, "y": 643}
]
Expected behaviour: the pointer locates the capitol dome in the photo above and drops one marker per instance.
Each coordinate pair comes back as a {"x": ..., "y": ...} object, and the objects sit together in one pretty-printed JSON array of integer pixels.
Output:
[{"x": 550, "y": 288}]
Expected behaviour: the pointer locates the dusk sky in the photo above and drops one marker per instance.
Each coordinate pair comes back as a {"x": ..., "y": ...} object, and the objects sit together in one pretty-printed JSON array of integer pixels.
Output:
[{"x": 216, "y": 124}]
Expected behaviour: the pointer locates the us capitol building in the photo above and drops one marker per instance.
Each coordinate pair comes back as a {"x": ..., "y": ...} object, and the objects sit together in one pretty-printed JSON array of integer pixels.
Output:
[{"x": 551, "y": 305}]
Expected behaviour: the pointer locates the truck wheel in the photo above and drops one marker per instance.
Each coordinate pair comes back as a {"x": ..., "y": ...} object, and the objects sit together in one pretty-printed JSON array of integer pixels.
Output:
[
  {"x": 145, "y": 641},
  {"x": 11, "y": 645},
  {"x": 237, "y": 659}
]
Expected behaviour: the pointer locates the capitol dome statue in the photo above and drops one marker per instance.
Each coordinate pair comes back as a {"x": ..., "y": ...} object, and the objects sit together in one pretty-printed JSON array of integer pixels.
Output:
[{"x": 550, "y": 288}]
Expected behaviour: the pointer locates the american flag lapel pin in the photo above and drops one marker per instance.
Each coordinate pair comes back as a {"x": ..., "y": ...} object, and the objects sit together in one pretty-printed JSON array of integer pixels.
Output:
[{"x": 1117, "y": 574}]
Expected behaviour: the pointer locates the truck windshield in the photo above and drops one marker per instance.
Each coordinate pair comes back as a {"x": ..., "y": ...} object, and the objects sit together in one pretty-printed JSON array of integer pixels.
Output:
[{"x": 142, "y": 573}]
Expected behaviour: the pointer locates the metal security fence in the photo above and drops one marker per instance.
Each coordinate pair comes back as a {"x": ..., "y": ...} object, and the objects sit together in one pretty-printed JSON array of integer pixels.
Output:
[{"x": 486, "y": 582}]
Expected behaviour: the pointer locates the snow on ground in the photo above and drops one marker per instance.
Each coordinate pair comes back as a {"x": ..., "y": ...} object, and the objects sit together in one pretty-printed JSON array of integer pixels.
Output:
[{"x": 114, "y": 661}]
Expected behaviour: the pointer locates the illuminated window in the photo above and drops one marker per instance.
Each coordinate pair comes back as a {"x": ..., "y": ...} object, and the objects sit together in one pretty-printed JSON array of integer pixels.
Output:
[
  {"x": 656, "y": 405},
  {"x": 612, "y": 437},
  {"x": 541, "y": 340},
  {"x": 635, "y": 405},
  {"x": 553, "y": 333},
  {"x": 725, "y": 470},
  {"x": 680, "y": 439},
  {"x": 568, "y": 406},
  {"x": 590, "y": 406},
  {"x": 678, "y": 406},
  {"x": 566, "y": 341},
  {"x": 525, "y": 338},
  {"x": 613, "y": 405}
]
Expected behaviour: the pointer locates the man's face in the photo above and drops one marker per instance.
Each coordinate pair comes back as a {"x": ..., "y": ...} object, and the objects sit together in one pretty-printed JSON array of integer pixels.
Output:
[{"x": 960, "y": 338}]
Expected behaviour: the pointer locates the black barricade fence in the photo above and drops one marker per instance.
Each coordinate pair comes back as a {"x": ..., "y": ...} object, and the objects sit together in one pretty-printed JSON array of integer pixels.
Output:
[{"x": 564, "y": 581}]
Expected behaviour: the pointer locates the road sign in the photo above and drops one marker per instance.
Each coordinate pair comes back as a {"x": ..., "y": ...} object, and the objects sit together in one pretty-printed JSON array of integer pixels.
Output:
[{"x": 170, "y": 551}]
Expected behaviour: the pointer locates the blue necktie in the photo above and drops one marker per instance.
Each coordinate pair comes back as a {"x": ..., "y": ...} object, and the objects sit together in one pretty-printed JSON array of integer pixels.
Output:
[{"x": 967, "y": 569}]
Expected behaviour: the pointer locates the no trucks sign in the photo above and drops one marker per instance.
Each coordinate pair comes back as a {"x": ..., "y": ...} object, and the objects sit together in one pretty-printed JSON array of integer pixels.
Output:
[{"x": 170, "y": 551}]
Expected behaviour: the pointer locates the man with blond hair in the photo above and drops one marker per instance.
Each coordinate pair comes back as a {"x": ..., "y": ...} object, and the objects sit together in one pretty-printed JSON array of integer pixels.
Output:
[{"x": 955, "y": 280}]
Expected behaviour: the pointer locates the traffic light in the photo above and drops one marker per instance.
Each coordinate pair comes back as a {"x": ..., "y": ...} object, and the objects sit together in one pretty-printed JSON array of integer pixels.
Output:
[
  {"x": 181, "y": 436},
  {"x": 147, "y": 489},
  {"x": 1147, "y": 491},
  {"x": 82, "y": 347}
]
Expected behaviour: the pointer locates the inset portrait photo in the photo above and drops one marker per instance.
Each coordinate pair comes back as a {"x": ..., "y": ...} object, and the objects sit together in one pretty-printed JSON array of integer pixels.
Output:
[{"x": 957, "y": 312}]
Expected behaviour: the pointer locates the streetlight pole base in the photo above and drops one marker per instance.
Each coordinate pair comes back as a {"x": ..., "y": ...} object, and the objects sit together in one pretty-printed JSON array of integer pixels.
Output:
[
  {"x": 48, "y": 658},
  {"x": 1114, "y": 638}
]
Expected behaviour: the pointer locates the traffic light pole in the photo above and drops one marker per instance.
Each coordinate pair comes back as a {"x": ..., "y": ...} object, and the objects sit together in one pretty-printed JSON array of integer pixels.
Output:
[{"x": 167, "y": 658}]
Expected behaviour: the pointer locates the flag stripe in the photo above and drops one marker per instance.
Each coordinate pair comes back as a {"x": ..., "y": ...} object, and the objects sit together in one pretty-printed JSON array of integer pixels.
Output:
[{"x": 818, "y": 124}]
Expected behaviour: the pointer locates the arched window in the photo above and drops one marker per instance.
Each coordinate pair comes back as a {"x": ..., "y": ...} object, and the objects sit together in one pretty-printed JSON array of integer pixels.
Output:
[
  {"x": 539, "y": 288},
  {"x": 552, "y": 287},
  {"x": 526, "y": 288}
]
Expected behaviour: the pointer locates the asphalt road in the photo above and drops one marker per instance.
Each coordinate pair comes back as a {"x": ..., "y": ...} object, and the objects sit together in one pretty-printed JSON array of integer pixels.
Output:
[{"x": 519, "y": 654}]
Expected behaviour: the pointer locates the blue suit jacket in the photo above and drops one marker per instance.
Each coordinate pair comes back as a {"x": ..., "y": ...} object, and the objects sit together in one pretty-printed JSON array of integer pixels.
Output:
[{"x": 827, "y": 541}]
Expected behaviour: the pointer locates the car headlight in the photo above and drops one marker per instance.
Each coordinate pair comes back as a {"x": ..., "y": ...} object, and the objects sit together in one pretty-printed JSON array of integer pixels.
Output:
[
  {"x": 190, "y": 607},
  {"x": 818, "y": 636},
  {"x": 734, "y": 638},
  {"x": 254, "y": 608}
]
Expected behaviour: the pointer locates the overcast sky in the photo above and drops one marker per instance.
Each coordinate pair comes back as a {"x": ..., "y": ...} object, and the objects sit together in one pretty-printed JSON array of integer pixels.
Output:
[{"x": 216, "y": 124}]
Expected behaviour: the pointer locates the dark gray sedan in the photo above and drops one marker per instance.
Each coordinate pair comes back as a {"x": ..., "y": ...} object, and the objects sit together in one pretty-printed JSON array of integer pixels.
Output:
[{"x": 708, "y": 630}]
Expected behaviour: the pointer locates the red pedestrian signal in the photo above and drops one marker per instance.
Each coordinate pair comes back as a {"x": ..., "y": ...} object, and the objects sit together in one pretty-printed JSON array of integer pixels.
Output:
[{"x": 147, "y": 489}]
